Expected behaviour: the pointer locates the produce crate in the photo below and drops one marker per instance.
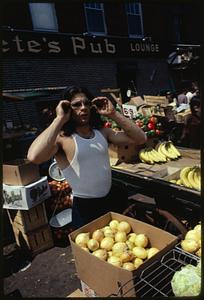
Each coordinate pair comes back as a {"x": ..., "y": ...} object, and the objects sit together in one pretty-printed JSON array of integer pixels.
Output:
[
  {"x": 103, "y": 277},
  {"x": 155, "y": 280},
  {"x": 126, "y": 153},
  {"x": 156, "y": 100},
  {"x": 87, "y": 291},
  {"x": 35, "y": 241},
  {"x": 27, "y": 196},
  {"x": 28, "y": 220},
  {"x": 20, "y": 172}
]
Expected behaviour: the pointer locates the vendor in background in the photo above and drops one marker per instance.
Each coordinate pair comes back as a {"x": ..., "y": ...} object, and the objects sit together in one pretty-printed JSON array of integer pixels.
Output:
[
  {"x": 172, "y": 100},
  {"x": 182, "y": 98},
  {"x": 193, "y": 91},
  {"x": 191, "y": 136},
  {"x": 79, "y": 143}
]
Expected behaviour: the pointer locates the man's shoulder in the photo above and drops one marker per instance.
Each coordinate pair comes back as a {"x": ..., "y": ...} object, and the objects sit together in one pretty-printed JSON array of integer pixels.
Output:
[{"x": 63, "y": 137}]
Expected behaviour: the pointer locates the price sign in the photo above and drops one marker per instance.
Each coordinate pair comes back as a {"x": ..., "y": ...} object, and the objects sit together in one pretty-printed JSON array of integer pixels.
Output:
[{"x": 129, "y": 111}]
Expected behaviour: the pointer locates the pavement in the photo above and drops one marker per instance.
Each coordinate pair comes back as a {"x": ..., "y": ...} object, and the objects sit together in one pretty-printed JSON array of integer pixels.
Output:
[{"x": 51, "y": 273}]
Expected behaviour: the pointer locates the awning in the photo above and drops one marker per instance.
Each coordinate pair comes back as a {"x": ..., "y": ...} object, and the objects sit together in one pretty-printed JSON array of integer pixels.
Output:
[{"x": 30, "y": 93}]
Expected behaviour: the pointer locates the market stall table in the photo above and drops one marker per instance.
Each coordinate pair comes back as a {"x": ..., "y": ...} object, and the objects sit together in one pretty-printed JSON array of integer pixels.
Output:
[{"x": 179, "y": 200}]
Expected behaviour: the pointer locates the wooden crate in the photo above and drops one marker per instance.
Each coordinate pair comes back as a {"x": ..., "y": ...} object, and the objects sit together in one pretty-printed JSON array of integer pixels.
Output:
[
  {"x": 35, "y": 241},
  {"x": 156, "y": 100},
  {"x": 125, "y": 153},
  {"x": 28, "y": 220}
]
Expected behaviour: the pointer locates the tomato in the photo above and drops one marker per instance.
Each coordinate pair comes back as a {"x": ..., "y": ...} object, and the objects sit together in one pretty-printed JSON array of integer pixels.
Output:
[
  {"x": 107, "y": 125},
  {"x": 158, "y": 132},
  {"x": 153, "y": 120},
  {"x": 151, "y": 126}
]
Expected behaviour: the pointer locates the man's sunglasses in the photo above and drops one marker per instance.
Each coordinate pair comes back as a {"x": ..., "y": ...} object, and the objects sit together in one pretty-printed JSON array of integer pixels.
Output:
[{"x": 78, "y": 104}]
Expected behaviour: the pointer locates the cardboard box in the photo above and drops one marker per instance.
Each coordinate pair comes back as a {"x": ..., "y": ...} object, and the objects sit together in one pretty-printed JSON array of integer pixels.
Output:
[
  {"x": 156, "y": 100},
  {"x": 126, "y": 153},
  {"x": 76, "y": 294},
  {"x": 20, "y": 172},
  {"x": 87, "y": 291},
  {"x": 28, "y": 220},
  {"x": 138, "y": 101},
  {"x": 25, "y": 197},
  {"x": 105, "y": 278},
  {"x": 165, "y": 172}
]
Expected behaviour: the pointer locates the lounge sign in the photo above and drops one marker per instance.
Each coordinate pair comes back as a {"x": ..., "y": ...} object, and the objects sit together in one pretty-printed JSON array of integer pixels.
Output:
[{"x": 19, "y": 43}]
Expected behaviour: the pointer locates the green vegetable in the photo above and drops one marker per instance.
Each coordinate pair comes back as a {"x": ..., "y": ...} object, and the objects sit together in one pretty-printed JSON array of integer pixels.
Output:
[
  {"x": 198, "y": 268},
  {"x": 187, "y": 281}
]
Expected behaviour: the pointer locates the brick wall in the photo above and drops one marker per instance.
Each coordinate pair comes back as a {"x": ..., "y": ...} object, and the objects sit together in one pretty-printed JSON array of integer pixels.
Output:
[{"x": 93, "y": 73}]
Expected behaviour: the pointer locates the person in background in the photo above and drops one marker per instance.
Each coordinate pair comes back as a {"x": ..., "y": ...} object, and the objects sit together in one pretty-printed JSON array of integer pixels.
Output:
[
  {"x": 193, "y": 91},
  {"x": 79, "y": 143},
  {"x": 172, "y": 101},
  {"x": 182, "y": 98},
  {"x": 191, "y": 135}
]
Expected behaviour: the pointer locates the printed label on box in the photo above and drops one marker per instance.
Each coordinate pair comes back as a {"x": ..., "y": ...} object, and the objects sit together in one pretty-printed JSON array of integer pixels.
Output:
[{"x": 25, "y": 197}]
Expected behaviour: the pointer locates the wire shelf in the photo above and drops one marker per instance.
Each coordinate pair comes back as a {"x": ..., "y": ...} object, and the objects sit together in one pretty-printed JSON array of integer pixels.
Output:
[{"x": 155, "y": 280}]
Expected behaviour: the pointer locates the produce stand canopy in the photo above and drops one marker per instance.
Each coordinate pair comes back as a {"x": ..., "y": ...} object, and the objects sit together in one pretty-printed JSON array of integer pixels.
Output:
[{"x": 24, "y": 94}]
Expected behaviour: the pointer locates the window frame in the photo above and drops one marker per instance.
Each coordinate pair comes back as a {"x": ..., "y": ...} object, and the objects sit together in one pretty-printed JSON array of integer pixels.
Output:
[
  {"x": 141, "y": 20},
  {"x": 103, "y": 16},
  {"x": 54, "y": 16}
]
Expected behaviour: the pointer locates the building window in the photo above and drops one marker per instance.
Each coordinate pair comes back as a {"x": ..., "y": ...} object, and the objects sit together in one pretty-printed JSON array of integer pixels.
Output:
[
  {"x": 177, "y": 28},
  {"x": 43, "y": 16},
  {"x": 134, "y": 19},
  {"x": 95, "y": 20}
]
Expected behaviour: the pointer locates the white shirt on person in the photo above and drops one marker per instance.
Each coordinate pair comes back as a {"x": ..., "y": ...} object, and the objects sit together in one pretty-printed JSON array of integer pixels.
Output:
[{"x": 89, "y": 172}]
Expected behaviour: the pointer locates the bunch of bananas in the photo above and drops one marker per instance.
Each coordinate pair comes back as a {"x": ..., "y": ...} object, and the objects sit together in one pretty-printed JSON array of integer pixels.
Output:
[
  {"x": 164, "y": 152},
  {"x": 151, "y": 156},
  {"x": 168, "y": 150},
  {"x": 189, "y": 177}
]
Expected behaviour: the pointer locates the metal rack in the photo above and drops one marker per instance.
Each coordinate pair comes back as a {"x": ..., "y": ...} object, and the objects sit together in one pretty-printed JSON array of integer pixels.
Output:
[{"x": 155, "y": 280}]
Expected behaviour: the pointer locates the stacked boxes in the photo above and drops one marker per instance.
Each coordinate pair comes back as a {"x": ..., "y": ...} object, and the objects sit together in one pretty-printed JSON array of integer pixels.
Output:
[{"x": 24, "y": 192}]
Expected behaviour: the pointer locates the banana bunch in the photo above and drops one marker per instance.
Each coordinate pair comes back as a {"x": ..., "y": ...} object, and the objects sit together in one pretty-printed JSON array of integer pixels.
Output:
[
  {"x": 168, "y": 150},
  {"x": 189, "y": 177},
  {"x": 151, "y": 156}
]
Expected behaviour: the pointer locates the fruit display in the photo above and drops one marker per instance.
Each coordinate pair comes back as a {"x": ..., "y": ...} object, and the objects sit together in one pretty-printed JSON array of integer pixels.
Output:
[
  {"x": 168, "y": 149},
  {"x": 149, "y": 124},
  {"x": 192, "y": 241},
  {"x": 165, "y": 151},
  {"x": 189, "y": 177},
  {"x": 60, "y": 195},
  {"x": 118, "y": 245},
  {"x": 60, "y": 199}
]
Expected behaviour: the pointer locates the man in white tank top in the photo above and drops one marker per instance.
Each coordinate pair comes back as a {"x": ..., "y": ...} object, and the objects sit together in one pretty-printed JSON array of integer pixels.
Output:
[{"x": 79, "y": 143}]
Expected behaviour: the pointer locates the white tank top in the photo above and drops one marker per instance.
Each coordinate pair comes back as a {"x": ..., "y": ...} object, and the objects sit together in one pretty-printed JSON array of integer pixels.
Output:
[{"x": 89, "y": 172}]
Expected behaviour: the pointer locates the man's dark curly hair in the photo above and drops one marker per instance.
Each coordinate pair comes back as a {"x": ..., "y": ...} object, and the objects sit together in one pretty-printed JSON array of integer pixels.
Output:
[{"x": 95, "y": 118}]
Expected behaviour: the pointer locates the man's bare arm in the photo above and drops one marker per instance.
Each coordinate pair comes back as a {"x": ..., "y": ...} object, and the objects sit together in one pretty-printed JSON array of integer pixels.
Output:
[
  {"x": 131, "y": 132},
  {"x": 45, "y": 145}
]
